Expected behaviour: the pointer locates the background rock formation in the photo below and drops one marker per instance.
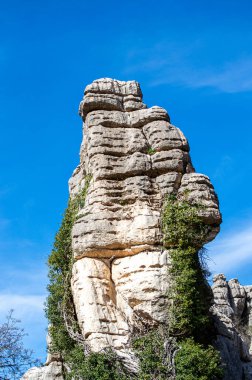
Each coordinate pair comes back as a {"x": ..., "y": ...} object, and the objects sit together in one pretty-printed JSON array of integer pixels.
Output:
[
  {"x": 232, "y": 312},
  {"x": 132, "y": 158}
]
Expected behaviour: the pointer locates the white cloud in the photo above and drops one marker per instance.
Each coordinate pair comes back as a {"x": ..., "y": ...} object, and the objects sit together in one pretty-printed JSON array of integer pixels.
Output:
[
  {"x": 25, "y": 306},
  {"x": 169, "y": 64},
  {"x": 29, "y": 310},
  {"x": 232, "y": 77},
  {"x": 232, "y": 251},
  {"x": 24, "y": 290}
]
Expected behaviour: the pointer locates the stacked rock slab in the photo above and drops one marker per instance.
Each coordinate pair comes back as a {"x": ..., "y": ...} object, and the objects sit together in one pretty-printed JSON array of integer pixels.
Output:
[{"x": 135, "y": 158}]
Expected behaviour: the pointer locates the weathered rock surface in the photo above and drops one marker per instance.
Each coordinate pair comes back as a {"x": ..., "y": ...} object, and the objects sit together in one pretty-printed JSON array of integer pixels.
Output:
[
  {"x": 233, "y": 317},
  {"x": 135, "y": 157},
  {"x": 121, "y": 296},
  {"x": 52, "y": 371}
]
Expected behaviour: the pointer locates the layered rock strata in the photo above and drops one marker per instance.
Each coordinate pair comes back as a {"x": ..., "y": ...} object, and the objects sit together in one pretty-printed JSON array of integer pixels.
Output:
[
  {"x": 132, "y": 157},
  {"x": 135, "y": 157}
]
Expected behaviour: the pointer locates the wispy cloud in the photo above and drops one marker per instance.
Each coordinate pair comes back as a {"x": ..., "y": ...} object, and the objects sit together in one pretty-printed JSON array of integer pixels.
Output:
[
  {"x": 29, "y": 310},
  {"x": 24, "y": 291},
  {"x": 231, "y": 77},
  {"x": 24, "y": 305},
  {"x": 233, "y": 250},
  {"x": 179, "y": 65},
  {"x": 21, "y": 280}
]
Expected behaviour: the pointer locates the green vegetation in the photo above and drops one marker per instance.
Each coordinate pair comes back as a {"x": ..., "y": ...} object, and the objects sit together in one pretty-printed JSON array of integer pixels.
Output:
[
  {"x": 150, "y": 351},
  {"x": 96, "y": 366},
  {"x": 196, "y": 362},
  {"x": 151, "y": 150},
  {"x": 189, "y": 296},
  {"x": 60, "y": 266},
  {"x": 181, "y": 225},
  {"x": 60, "y": 307}
]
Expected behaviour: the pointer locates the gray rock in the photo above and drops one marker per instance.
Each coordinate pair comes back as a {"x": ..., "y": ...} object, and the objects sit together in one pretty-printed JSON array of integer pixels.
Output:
[
  {"x": 110, "y": 94},
  {"x": 135, "y": 158},
  {"x": 232, "y": 315}
]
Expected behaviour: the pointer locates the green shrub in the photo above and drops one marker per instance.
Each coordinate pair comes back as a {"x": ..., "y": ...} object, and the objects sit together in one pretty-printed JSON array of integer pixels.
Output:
[
  {"x": 96, "y": 366},
  {"x": 60, "y": 267},
  {"x": 102, "y": 366},
  {"x": 150, "y": 351},
  {"x": 181, "y": 224},
  {"x": 195, "y": 362},
  {"x": 189, "y": 294},
  {"x": 60, "y": 264},
  {"x": 151, "y": 151}
]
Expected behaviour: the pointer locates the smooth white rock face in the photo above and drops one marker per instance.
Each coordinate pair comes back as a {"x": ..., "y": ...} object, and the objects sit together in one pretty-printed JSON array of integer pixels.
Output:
[
  {"x": 102, "y": 323},
  {"x": 113, "y": 297}
]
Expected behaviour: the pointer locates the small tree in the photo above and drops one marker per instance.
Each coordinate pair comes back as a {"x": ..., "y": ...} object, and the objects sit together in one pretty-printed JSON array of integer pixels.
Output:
[{"x": 14, "y": 358}]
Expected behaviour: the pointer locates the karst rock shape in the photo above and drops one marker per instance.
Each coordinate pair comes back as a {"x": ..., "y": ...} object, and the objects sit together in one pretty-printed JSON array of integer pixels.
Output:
[
  {"x": 132, "y": 157},
  {"x": 232, "y": 312},
  {"x": 135, "y": 158}
]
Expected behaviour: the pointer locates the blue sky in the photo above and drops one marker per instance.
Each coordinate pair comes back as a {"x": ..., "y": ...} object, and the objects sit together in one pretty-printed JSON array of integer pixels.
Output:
[{"x": 193, "y": 58}]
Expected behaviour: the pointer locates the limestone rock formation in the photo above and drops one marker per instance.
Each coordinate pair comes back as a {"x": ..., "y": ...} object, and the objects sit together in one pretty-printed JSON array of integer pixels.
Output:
[
  {"x": 232, "y": 311},
  {"x": 132, "y": 157},
  {"x": 135, "y": 158},
  {"x": 52, "y": 371}
]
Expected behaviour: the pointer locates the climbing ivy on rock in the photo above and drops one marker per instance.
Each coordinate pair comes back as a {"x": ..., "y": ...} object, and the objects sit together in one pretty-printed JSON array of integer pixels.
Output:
[
  {"x": 190, "y": 295},
  {"x": 60, "y": 264},
  {"x": 60, "y": 309},
  {"x": 189, "y": 299}
]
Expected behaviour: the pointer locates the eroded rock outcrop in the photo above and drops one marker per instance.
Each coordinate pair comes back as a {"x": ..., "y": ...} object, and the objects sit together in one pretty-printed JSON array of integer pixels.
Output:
[
  {"x": 52, "y": 371},
  {"x": 132, "y": 157},
  {"x": 135, "y": 158},
  {"x": 232, "y": 312}
]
